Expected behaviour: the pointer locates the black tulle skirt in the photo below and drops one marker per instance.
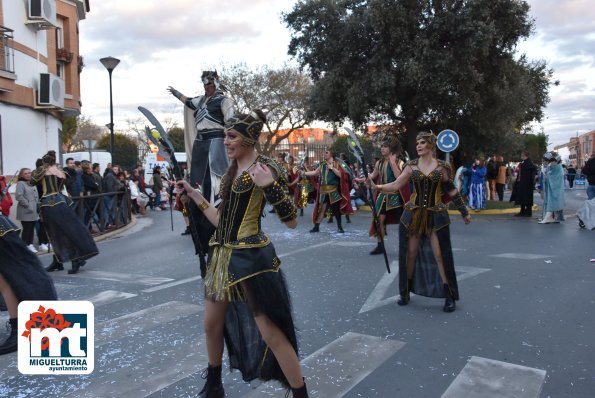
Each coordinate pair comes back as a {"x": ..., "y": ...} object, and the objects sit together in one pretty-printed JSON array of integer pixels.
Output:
[
  {"x": 260, "y": 289},
  {"x": 69, "y": 237},
  {"x": 23, "y": 271}
]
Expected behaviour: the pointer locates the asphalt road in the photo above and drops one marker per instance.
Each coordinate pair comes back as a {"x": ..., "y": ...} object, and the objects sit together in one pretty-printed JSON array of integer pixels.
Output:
[{"x": 524, "y": 326}]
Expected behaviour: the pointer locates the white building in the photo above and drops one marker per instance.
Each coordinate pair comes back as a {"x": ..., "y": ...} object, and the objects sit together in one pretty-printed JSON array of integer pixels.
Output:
[{"x": 40, "y": 64}]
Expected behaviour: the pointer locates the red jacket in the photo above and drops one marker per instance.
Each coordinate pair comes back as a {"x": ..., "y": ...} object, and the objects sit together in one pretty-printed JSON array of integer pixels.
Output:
[{"x": 6, "y": 202}]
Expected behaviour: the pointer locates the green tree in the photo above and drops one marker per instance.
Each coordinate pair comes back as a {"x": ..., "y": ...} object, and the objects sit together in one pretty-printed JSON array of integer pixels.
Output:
[
  {"x": 282, "y": 94},
  {"x": 421, "y": 64},
  {"x": 125, "y": 150},
  {"x": 68, "y": 132},
  {"x": 341, "y": 145},
  {"x": 176, "y": 136}
]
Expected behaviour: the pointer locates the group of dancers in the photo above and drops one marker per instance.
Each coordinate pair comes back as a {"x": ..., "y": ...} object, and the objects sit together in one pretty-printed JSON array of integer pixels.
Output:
[{"x": 247, "y": 304}]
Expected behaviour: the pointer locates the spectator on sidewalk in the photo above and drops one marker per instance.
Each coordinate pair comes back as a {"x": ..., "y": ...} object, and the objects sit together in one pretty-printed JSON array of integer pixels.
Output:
[
  {"x": 500, "y": 177},
  {"x": 113, "y": 186},
  {"x": 477, "y": 192},
  {"x": 157, "y": 184},
  {"x": 27, "y": 204}
]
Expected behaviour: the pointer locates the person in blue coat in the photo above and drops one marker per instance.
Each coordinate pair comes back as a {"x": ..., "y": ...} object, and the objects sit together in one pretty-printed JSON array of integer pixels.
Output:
[
  {"x": 553, "y": 188},
  {"x": 477, "y": 190}
]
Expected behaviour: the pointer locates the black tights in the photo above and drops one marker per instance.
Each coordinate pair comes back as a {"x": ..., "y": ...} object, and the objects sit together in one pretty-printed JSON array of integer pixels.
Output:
[{"x": 28, "y": 230}]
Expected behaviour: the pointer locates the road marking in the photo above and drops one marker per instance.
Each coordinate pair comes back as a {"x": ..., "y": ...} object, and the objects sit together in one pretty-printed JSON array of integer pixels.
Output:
[
  {"x": 122, "y": 277},
  {"x": 487, "y": 378},
  {"x": 377, "y": 300},
  {"x": 521, "y": 256},
  {"x": 303, "y": 249},
  {"x": 139, "y": 321},
  {"x": 108, "y": 297},
  {"x": 176, "y": 283},
  {"x": 337, "y": 367}
]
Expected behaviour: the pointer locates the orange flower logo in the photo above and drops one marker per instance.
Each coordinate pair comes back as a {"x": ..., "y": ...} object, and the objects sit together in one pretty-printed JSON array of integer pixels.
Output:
[{"x": 43, "y": 319}]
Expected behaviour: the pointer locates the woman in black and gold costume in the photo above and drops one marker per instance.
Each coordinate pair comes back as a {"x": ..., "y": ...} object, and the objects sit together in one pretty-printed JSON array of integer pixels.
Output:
[
  {"x": 426, "y": 265},
  {"x": 247, "y": 301},
  {"x": 69, "y": 237},
  {"x": 21, "y": 278}
]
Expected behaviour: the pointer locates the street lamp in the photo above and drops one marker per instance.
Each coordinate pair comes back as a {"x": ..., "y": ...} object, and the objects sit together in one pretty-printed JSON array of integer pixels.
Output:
[{"x": 110, "y": 64}]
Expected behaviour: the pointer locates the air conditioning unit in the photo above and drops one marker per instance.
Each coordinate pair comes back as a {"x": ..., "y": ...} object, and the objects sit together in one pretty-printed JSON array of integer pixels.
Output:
[
  {"x": 51, "y": 90},
  {"x": 43, "y": 12}
]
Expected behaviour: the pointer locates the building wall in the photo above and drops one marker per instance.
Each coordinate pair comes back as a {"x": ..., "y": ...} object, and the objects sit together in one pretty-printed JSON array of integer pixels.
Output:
[{"x": 28, "y": 130}]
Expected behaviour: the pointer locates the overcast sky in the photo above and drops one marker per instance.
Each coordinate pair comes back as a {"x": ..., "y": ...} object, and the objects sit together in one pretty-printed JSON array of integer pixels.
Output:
[{"x": 162, "y": 43}]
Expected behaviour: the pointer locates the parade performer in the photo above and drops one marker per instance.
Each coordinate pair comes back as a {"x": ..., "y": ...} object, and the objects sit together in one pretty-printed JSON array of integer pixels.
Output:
[
  {"x": 522, "y": 193},
  {"x": 247, "y": 302},
  {"x": 21, "y": 278},
  {"x": 303, "y": 187},
  {"x": 553, "y": 187},
  {"x": 389, "y": 206},
  {"x": 68, "y": 236},
  {"x": 333, "y": 190},
  {"x": 426, "y": 265},
  {"x": 204, "y": 119}
]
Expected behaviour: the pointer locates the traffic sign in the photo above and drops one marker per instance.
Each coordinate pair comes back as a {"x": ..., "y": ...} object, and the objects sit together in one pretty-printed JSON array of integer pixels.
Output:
[{"x": 448, "y": 141}]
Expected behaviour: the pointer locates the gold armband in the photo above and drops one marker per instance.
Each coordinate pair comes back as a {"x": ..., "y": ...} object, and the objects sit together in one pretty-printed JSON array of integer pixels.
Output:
[{"x": 203, "y": 205}]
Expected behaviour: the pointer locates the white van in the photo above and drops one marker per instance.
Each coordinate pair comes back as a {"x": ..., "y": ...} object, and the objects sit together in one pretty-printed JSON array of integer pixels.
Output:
[{"x": 152, "y": 160}]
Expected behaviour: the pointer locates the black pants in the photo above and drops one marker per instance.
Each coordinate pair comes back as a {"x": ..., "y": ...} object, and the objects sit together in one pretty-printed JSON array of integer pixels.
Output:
[
  {"x": 500, "y": 190},
  {"x": 28, "y": 231},
  {"x": 335, "y": 208},
  {"x": 41, "y": 234},
  {"x": 526, "y": 209}
]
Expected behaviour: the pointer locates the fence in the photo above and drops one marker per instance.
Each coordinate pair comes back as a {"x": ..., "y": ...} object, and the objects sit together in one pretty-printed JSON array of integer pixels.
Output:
[
  {"x": 314, "y": 152},
  {"x": 103, "y": 212}
]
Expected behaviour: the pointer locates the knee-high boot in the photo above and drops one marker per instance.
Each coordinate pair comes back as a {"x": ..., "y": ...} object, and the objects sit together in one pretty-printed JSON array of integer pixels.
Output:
[
  {"x": 405, "y": 297},
  {"x": 449, "y": 301},
  {"x": 301, "y": 392},
  {"x": 213, "y": 387}
]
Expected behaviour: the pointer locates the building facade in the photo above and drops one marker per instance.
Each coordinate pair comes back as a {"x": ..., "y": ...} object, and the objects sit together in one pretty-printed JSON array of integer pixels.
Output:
[
  {"x": 581, "y": 148},
  {"x": 40, "y": 66}
]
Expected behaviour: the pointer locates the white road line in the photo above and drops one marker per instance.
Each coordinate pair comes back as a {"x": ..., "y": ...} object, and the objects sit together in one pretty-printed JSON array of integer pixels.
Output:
[
  {"x": 139, "y": 321},
  {"x": 171, "y": 284},
  {"x": 122, "y": 277},
  {"x": 521, "y": 256},
  {"x": 376, "y": 300},
  {"x": 108, "y": 297},
  {"x": 377, "y": 297},
  {"x": 487, "y": 378},
  {"x": 336, "y": 368},
  {"x": 303, "y": 249}
]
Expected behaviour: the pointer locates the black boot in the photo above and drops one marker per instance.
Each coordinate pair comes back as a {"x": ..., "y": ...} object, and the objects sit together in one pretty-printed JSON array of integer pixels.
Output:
[
  {"x": 405, "y": 297},
  {"x": 301, "y": 212},
  {"x": 316, "y": 228},
  {"x": 11, "y": 343},
  {"x": 187, "y": 231},
  {"x": 55, "y": 266},
  {"x": 213, "y": 387},
  {"x": 301, "y": 392},
  {"x": 76, "y": 264},
  {"x": 330, "y": 220},
  {"x": 348, "y": 219},
  {"x": 449, "y": 301},
  {"x": 378, "y": 249},
  {"x": 339, "y": 225}
]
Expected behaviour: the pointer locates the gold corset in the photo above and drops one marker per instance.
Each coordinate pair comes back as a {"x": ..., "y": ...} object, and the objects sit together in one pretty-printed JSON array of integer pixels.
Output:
[{"x": 427, "y": 190}]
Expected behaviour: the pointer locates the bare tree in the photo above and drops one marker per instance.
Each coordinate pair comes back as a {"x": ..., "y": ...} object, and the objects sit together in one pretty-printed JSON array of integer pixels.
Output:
[{"x": 282, "y": 94}]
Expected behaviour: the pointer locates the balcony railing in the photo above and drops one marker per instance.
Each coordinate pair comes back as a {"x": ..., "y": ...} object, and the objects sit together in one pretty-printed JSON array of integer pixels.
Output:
[
  {"x": 6, "y": 51},
  {"x": 63, "y": 55}
]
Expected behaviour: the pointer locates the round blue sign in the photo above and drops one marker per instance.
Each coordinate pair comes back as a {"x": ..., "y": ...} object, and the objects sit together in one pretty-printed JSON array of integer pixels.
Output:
[{"x": 448, "y": 141}]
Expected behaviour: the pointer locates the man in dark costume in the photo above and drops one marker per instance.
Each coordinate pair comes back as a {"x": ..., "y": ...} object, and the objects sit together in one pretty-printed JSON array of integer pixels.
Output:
[
  {"x": 524, "y": 186},
  {"x": 204, "y": 119}
]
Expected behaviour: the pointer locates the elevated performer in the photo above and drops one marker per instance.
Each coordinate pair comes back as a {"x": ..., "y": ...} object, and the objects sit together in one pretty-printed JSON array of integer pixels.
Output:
[{"x": 204, "y": 119}]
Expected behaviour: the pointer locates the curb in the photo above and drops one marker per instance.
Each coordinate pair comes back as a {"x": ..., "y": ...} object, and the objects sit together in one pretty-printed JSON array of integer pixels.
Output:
[{"x": 513, "y": 210}]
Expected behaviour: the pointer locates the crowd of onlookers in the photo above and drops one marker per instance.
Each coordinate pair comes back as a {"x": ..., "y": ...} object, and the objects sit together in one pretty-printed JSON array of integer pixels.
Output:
[{"x": 87, "y": 179}]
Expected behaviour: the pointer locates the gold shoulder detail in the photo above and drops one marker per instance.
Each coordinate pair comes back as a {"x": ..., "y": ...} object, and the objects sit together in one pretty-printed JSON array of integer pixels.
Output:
[{"x": 277, "y": 168}]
